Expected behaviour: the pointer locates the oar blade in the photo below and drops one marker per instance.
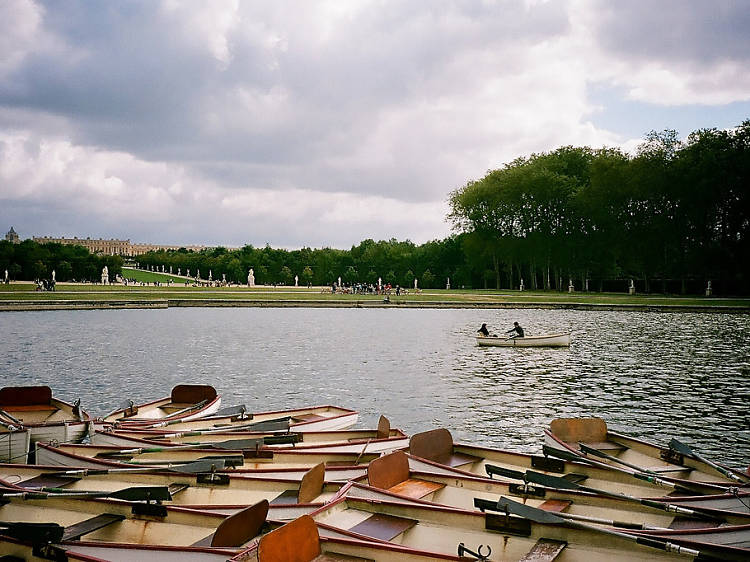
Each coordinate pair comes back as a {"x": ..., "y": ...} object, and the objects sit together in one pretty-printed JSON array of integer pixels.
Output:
[
  {"x": 35, "y": 533},
  {"x": 681, "y": 448},
  {"x": 238, "y": 444},
  {"x": 549, "y": 481},
  {"x": 142, "y": 493},
  {"x": 527, "y": 512}
]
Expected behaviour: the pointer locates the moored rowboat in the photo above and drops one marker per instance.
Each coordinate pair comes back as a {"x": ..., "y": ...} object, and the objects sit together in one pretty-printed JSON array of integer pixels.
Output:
[
  {"x": 547, "y": 340},
  {"x": 591, "y": 439},
  {"x": 45, "y": 417},
  {"x": 186, "y": 402}
]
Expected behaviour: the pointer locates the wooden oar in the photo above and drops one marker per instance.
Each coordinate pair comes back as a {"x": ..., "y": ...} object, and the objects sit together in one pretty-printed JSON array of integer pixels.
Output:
[
  {"x": 229, "y": 460},
  {"x": 14, "y": 420},
  {"x": 547, "y": 518},
  {"x": 683, "y": 485},
  {"x": 135, "y": 493},
  {"x": 685, "y": 450},
  {"x": 549, "y": 481},
  {"x": 239, "y": 445},
  {"x": 195, "y": 467}
]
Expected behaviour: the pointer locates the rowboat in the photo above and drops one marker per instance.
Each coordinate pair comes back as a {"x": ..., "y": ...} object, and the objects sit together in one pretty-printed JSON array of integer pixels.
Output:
[
  {"x": 300, "y": 541},
  {"x": 92, "y": 456},
  {"x": 435, "y": 450},
  {"x": 546, "y": 340},
  {"x": 384, "y": 438},
  {"x": 236, "y": 418},
  {"x": 198, "y": 490},
  {"x": 61, "y": 521},
  {"x": 186, "y": 402},
  {"x": 444, "y": 530},
  {"x": 390, "y": 478},
  {"x": 47, "y": 418},
  {"x": 590, "y": 439}
]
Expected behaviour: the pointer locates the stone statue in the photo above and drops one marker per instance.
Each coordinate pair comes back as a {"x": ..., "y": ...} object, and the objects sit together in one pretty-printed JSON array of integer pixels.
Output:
[
  {"x": 223, "y": 277},
  {"x": 53, "y": 274},
  {"x": 198, "y": 274},
  {"x": 631, "y": 289},
  {"x": 105, "y": 275},
  {"x": 380, "y": 283},
  {"x": 170, "y": 270},
  {"x": 339, "y": 281},
  {"x": 415, "y": 283},
  {"x": 250, "y": 278},
  {"x": 709, "y": 291},
  {"x": 448, "y": 284},
  {"x": 188, "y": 272},
  {"x": 570, "y": 286},
  {"x": 296, "y": 280},
  {"x": 179, "y": 271},
  {"x": 210, "y": 275},
  {"x": 6, "y": 275},
  {"x": 521, "y": 287}
]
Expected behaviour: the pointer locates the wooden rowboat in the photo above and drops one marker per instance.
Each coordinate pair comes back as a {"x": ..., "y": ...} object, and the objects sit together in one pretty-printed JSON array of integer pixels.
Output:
[
  {"x": 92, "y": 456},
  {"x": 547, "y": 340},
  {"x": 62, "y": 521},
  {"x": 47, "y": 418},
  {"x": 202, "y": 490},
  {"x": 443, "y": 530},
  {"x": 186, "y": 402},
  {"x": 590, "y": 439},
  {"x": 384, "y": 438},
  {"x": 435, "y": 450},
  {"x": 390, "y": 478}
]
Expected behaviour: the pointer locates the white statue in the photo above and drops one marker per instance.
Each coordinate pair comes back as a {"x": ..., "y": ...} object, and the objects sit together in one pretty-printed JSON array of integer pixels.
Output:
[
  {"x": 415, "y": 283},
  {"x": 448, "y": 284},
  {"x": 6, "y": 275},
  {"x": 296, "y": 280},
  {"x": 53, "y": 274},
  {"x": 170, "y": 270},
  {"x": 339, "y": 281},
  {"x": 198, "y": 274},
  {"x": 188, "y": 272},
  {"x": 380, "y": 283},
  {"x": 250, "y": 278},
  {"x": 521, "y": 287},
  {"x": 179, "y": 271},
  {"x": 631, "y": 290},
  {"x": 105, "y": 275},
  {"x": 223, "y": 277},
  {"x": 570, "y": 286},
  {"x": 210, "y": 275}
]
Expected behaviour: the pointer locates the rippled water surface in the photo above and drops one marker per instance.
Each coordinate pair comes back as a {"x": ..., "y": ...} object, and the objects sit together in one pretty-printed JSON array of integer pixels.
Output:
[{"x": 657, "y": 375}]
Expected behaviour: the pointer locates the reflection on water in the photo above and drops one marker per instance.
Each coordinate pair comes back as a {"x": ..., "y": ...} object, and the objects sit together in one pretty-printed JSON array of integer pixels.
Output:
[{"x": 658, "y": 375}]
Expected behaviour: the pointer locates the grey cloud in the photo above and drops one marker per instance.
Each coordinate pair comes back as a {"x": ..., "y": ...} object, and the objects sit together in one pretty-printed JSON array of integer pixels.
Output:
[{"x": 682, "y": 32}]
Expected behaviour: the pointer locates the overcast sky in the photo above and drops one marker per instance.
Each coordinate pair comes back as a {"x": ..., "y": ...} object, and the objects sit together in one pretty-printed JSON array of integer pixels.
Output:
[{"x": 322, "y": 123}]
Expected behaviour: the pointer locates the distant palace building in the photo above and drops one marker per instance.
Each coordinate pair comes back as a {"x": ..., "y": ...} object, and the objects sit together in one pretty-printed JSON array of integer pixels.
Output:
[
  {"x": 112, "y": 247},
  {"x": 12, "y": 236}
]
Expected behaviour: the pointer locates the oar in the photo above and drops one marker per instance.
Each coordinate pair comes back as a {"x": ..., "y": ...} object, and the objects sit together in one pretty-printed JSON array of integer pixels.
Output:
[
  {"x": 548, "y": 518},
  {"x": 232, "y": 411},
  {"x": 14, "y": 420},
  {"x": 484, "y": 505},
  {"x": 685, "y": 450},
  {"x": 239, "y": 444},
  {"x": 549, "y": 481},
  {"x": 586, "y": 450},
  {"x": 195, "y": 467},
  {"x": 229, "y": 460},
  {"x": 698, "y": 487},
  {"x": 35, "y": 533},
  {"x": 135, "y": 493}
]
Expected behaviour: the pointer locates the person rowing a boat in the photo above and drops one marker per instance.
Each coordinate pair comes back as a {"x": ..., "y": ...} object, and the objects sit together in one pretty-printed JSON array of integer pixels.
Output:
[
  {"x": 483, "y": 331},
  {"x": 516, "y": 331}
]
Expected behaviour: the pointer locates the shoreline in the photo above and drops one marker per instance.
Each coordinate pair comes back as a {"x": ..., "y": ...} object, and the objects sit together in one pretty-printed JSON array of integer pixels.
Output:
[{"x": 24, "y": 306}]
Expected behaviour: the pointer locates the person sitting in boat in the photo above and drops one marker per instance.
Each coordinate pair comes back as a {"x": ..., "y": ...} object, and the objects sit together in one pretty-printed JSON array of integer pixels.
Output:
[
  {"x": 483, "y": 331},
  {"x": 516, "y": 331}
]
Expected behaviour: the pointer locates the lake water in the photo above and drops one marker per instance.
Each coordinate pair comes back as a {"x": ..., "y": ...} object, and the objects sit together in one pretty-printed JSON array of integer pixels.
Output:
[{"x": 657, "y": 375}]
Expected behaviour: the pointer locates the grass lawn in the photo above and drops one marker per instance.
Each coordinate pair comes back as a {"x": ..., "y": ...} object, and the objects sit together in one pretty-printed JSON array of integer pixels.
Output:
[{"x": 178, "y": 291}]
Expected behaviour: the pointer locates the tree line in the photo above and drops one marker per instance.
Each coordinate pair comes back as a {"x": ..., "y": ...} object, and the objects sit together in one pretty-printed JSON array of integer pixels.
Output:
[
  {"x": 671, "y": 217},
  {"x": 31, "y": 261}
]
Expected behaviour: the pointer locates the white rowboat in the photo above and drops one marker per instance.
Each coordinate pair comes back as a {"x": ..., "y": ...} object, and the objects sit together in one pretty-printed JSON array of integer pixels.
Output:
[{"x": 547, "y": 340}]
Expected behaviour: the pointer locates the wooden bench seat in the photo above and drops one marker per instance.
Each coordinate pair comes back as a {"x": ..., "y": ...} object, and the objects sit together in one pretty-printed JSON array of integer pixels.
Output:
[
  {"x": 382, "y": 526},
  {"x": 555, "y": 505},
  {"x": 545, "y": 550},
  {"x": 417, "y": 489}
]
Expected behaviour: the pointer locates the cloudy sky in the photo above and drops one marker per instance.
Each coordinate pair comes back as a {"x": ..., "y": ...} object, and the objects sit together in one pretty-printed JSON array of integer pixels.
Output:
[{"x": 322, "y": 123}]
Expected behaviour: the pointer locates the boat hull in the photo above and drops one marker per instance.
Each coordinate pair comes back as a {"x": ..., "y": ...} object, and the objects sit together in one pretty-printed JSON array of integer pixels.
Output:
[{"x": 549, "y": 340}]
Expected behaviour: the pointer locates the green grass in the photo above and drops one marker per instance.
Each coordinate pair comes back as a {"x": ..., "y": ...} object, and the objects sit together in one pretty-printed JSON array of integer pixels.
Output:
[{"x": 114, "y": 293}]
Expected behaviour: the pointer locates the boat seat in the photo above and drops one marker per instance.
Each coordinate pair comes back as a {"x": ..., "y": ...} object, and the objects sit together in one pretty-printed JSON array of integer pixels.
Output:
[
  {"x": 545, "y": 550},
  {"x": 382, "y": 526},
  {"x": 437, "y": 446},
  {"x": 573, "y": 430},
  {"x": 239, "y": 528},
  {"x": 391, "y": 473},
  {"x": 555, "y": 505},
  {"x": 416, "y": 489},
  {"x": 190, "y": 394},
  {"x": 575, "y": 477},
  {"x": 602, "y": 445},
  {"x": 76, "y": 531},
  {"x": 177, "y": 487},
  {"x": 30, "y": 408},
  {"x": 308, "y": 418}
]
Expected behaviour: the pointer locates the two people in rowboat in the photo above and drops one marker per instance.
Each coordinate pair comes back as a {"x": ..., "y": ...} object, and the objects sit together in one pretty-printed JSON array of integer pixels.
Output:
[{"x": 516, "y": 331}]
